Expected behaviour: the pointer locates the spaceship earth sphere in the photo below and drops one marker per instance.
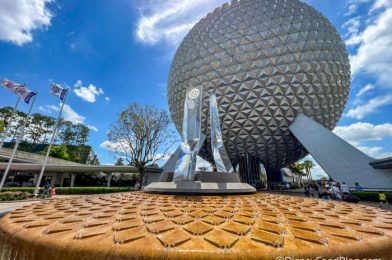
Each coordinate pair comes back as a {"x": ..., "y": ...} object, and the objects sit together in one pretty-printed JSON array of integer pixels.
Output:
[{"x": 266, "y": 61}]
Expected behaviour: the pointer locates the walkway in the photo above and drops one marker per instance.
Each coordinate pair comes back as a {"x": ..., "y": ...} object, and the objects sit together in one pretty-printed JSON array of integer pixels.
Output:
[
  {"x": 300, "y": 193},
  {"x": 6, "y": 207}
]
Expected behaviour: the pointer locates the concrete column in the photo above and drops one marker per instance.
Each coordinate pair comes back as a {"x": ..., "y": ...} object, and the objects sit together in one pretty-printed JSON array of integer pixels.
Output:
[
  {"x": 53, "y": 180},
  {"x": 109, "y": 179},
  {"x": 35, "y": 179},
  {"x": 72, "y": 179}
]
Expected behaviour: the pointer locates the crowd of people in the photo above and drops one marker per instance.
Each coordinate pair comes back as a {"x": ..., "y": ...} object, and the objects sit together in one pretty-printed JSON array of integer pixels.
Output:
[
  {"x": 330, "y": 190},
  {"x": 336, "y": 191}
]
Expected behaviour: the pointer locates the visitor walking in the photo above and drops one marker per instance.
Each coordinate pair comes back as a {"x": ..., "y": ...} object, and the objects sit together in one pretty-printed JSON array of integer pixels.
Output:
[
  {"x": 52, "y": 191},
  {"x": 45, "y": 192},
  {"x": 344, "y": 189},
  {"x": 358, "y": 187},
  {"x": 383, "y": 199}
]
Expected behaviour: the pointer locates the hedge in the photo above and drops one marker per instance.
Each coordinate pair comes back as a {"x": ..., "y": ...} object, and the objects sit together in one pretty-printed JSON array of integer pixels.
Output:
[
  {"x": 14, "y": 195},
  {"x": 371, "y": 195},
  {"x": 74, "y": 190}
]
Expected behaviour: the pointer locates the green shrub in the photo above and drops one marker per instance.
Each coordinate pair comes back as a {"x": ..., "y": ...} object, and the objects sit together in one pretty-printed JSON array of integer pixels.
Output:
[
  {"x": 371, "y": 195},
  {"x": 14, "y": 195},
  {"x": 74, "y": 190}
]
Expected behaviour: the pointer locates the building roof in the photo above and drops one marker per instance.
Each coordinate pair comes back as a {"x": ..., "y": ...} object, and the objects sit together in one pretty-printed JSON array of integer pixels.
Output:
[
  {"x": 35, "y": 167},
  {"x": 385, "y": 163}
]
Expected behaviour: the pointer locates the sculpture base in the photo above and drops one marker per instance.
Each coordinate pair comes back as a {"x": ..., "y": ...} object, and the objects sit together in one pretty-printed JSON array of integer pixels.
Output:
[{"x": 197, "y": 187}]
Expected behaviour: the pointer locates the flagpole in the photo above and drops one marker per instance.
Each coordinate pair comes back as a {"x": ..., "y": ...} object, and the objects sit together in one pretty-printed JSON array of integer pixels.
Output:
[
  {"x": 6, "y": 130},
  {"x": 20, "y": 136},
  {"x": 36, "y": 191}
]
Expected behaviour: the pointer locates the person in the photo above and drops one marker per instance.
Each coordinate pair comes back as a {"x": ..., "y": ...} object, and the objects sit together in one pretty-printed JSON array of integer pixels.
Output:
[
  {"x": 344, "y": 189},
  {"x": 325, "y": 192},
  {"x": 335, "y": 192},
  {"x": 313, "y": 188},
  {"x": 45, "y": 192},
  {"x": 358, "y": 187},
  {"x": 307, "y": 191},
  {"x": 338, "y": 185},
  {"x": 383, "y": 199},
  {"x": 52, "y": 191},
  {"x": 319, "y": 188}
]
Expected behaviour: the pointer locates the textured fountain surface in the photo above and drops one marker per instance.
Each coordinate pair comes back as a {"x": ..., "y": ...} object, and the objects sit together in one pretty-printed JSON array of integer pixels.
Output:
[{"x": 147, "y": 226}]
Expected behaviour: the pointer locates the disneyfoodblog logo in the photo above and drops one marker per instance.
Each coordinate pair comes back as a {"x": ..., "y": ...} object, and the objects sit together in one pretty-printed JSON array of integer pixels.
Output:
[{"x": 322, "y": 258}]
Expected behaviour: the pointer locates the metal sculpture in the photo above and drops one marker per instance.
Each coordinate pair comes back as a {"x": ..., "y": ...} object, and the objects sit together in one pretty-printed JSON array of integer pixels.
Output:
[
  {"x": 221, "y": 159},
  {"x": 185, "y": 169}
]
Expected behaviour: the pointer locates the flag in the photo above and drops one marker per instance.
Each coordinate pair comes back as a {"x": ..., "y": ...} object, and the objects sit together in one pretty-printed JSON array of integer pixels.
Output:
[
  {"x": 58, "y": 91},
  {"x": 19, "y": 89}
]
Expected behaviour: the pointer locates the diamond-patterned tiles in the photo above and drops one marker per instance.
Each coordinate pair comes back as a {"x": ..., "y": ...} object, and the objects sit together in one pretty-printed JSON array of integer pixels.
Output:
[
  {"x": 198, "y": 228},
  {"x": 173, "y": 239},
  {"x": 266, "y": 63},
  {"x": 221, "y": 239},
  {"x": 148, "y": 224}
]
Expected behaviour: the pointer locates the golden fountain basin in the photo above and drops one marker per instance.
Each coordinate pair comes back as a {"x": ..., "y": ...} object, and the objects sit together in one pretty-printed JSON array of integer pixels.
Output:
[{"x": 139, "y": 225}]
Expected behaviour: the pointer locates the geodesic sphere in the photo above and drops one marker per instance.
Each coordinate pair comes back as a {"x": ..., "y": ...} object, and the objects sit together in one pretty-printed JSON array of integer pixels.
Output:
[{"x": 267, "y": 61}]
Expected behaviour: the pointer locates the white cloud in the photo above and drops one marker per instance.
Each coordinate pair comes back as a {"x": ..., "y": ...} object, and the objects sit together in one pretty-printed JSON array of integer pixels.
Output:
[
  {"x": 365, "y": 89},
  {"x": 91, "y": 127},
  {"x": 70, "y": 115},
  {"x": 112, "y": 146},
  {"x": 352, "y": 26},
  {"x": 360, "y": 111},
  {"x": 373, "y": 55},
  {"x": 169, "y": 21},
  {"x": 375, "y": 151},
  {"x": 353, "y": 6},
  {"x": 107, "y": 98},
  {"x": 48, "y": 109},
  {"x": 88, "y": 93},
  {"x": 359, "y": 132},
  {"x": 18, "y": 18}
]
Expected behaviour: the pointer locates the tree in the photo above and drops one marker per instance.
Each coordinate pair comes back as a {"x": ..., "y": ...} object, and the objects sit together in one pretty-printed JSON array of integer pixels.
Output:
[
  {"x": 2, "y": 126},
  {"x": 139, "y": 134},
  {"x": 5, "y": 115},
  {"x": 17, "y": 124},
  {"x": 48, "y": 124},
  {"x": 59, "y": 151},
  {"x": 297, "y": 170},
  {"x": 308, "y": 165},
  {"x": 119, "y": 162},
  {"x": 81, "y": 137},
  {"x": 37, "y": 128},
  {"x": 67, "y": 133}
]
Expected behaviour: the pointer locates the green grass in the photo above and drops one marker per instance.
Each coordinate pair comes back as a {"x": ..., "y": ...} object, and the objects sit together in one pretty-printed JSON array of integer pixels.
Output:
[{"x": 74, "y": 190}]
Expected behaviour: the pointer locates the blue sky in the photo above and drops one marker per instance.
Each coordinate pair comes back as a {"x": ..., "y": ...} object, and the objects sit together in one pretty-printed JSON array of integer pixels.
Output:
[{"x": 112, "y": 53}]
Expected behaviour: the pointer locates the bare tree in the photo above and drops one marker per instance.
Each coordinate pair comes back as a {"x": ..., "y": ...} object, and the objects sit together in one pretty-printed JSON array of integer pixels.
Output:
[{"x": 142, "y": 135}]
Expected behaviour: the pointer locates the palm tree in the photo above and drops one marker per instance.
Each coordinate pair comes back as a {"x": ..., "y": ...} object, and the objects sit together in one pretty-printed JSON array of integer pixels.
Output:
[
  {"x": 297, "y": 170},
  {"x": 308, "y": 165}
]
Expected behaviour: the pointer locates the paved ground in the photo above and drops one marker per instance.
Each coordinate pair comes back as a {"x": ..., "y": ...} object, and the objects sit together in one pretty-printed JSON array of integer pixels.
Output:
[
  {"x": 9, "y": 206},
  {"x": 300, "y": 193}
]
